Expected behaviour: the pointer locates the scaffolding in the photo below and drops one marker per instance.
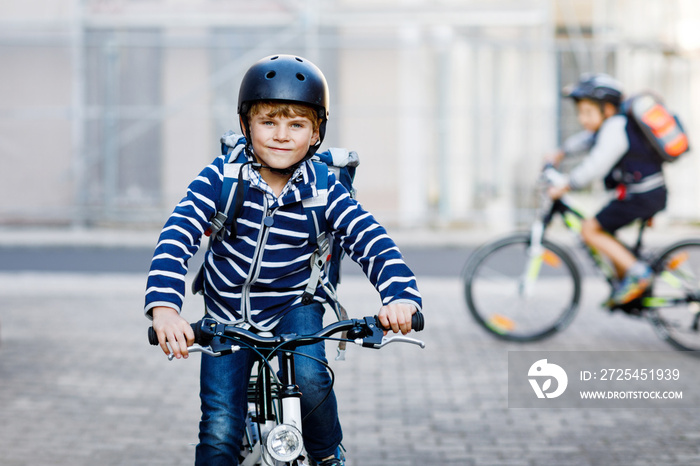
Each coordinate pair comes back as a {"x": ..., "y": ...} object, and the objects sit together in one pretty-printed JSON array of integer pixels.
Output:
[{"x": 108, "y": 108}]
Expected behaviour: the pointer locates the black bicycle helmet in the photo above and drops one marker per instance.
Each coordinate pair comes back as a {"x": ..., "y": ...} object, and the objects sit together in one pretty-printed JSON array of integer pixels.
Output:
[
  {"x": 597, "y": 87},
  {"x": 286, "y": 78}
]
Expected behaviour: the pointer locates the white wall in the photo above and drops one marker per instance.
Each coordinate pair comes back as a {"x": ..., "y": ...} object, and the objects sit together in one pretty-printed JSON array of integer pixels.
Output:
[{"x": 451, "y": 105}]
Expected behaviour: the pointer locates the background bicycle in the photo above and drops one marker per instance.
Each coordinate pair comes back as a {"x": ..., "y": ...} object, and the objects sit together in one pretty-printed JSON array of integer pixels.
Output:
[{"x": 526, "y": 287}]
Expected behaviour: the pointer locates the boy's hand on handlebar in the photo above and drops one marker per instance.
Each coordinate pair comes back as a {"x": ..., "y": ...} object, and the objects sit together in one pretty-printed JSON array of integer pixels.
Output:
[
  {"x": 557, "y": 181},
  {"x": 397, "y": 316},
  {"x": 554, "y": 158},
  {"x": 556, "y": 192},
  {"x": 172, "y": 329}
]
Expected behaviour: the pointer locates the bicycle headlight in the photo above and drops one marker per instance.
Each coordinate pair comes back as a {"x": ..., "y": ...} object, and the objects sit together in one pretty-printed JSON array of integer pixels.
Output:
[{"x": 284, "y": 442}]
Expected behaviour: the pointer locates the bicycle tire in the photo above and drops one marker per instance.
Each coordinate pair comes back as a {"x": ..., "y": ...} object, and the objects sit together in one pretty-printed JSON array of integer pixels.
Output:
[
  {"x": 674, "y": 298},
  {"x": 497, "y": 269}
]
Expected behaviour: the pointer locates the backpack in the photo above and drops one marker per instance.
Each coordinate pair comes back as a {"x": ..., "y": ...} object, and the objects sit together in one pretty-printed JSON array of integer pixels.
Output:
[
  {"x": 329, "y": 253},
  {"x": 661, "y": 128}
]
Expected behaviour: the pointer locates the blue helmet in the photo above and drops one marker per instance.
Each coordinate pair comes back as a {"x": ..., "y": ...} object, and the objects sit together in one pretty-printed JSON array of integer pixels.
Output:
[
  {"x": 597, "y": 87},
  {"x": 285, "y": 78}
]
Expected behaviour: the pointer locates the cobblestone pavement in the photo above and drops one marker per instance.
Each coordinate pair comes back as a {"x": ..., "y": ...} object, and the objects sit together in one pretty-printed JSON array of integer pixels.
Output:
[{"x": 79, "y": 385}]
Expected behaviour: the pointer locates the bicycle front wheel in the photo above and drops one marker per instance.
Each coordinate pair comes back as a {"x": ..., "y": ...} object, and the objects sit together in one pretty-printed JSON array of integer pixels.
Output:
[
  {"x": 521, "y": 294},
  {"x": 675, "y": 295}
]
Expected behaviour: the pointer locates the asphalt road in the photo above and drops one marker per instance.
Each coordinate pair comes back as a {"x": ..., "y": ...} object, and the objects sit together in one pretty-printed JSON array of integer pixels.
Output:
[{"x": 79, "y": 385}]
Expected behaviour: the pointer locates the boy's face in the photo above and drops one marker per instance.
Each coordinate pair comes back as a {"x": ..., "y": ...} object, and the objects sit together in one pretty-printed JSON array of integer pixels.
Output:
[
  {"x": 281, "y": 141},
  {"x": 590, "y": 115}
]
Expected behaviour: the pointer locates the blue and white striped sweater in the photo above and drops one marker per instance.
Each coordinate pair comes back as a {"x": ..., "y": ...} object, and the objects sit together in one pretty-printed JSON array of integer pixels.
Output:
[{"x": 261, "y": 274}]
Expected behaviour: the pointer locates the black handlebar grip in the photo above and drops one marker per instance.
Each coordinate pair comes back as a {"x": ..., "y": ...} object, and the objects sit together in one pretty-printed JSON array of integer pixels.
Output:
[
  {"x": 417, "y": 322},
  {"x": 153, "y": 337}
]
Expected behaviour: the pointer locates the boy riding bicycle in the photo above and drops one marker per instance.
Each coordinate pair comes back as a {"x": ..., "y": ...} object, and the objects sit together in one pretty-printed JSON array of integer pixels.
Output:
[
  {"x": 257, "y": 275},
  {"x": 619, "y": 153}
]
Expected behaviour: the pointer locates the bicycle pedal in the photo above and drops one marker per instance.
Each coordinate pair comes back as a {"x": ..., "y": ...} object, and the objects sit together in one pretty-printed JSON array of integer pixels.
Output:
[{"x": 633, "y": 308}]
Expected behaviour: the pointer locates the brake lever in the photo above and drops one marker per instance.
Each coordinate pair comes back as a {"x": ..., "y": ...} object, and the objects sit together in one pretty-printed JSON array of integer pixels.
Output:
[
  {"x": 370, "y": 335},
  {"x": 197, "y": 348},
  {"x": 400, "y": 339},
  {"x": 372, "y": 343}
]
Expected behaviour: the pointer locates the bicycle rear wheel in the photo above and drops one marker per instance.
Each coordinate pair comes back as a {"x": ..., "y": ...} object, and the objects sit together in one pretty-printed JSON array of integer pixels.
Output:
[
  {"x": 519, "y": 296},
  {"x": 675, "y": 295}
]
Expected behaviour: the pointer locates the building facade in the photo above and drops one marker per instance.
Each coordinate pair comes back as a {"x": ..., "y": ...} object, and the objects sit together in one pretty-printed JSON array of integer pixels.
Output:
[{"x": 108, "y": 108}]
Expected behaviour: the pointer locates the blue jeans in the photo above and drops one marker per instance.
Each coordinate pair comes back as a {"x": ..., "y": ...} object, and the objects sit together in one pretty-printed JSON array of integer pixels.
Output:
[{"x": 223, "y": 395}]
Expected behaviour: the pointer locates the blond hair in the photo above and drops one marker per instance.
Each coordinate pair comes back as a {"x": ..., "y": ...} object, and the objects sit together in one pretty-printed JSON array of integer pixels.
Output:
[{"x": 273, "y": 109}]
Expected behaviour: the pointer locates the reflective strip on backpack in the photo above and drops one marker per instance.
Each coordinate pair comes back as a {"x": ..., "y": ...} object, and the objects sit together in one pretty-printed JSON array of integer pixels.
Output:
[{"x": 647, "y": 184}]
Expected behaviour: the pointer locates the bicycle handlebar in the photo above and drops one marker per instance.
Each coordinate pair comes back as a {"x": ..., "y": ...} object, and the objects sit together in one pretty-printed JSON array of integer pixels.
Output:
[
  {"x": 553, "y": 176},
  {"x": 367, "y": 331}
]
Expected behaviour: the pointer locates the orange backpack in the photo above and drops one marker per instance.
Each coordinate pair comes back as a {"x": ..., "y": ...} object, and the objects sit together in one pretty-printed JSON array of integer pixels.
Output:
[{"x": 662, "y": 129}]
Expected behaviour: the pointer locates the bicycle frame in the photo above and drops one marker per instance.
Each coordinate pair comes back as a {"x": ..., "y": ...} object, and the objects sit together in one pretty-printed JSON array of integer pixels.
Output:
[
  {"x": 573, "y": 220},
  {"x": 273, "y": 433},
  {"x": 274, "y": 406},
  {"x": 271, "y": 403}
]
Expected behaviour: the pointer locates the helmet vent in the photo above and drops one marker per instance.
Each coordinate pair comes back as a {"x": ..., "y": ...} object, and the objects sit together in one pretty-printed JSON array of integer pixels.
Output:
[
  {"x": 301, "y": 77},
  {"x": 299, "y": 60},
  {"x": 270, "y": 74},
  {"x": 275, "y": 57}
]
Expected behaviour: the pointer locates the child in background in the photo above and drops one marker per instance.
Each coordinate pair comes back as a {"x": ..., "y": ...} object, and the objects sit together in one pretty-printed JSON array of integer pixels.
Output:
[{"x": 619, "y": 153}]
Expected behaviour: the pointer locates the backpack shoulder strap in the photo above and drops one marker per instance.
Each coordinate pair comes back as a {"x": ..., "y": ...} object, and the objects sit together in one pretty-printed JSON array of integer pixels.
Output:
[
  {"x": 315, "y": 207},
  {"x": 232, "y": 168},
  {"x": 315, "y": 210},
  {"x": 232, "y": 146},
  {"x": 230, "y": 195}
]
